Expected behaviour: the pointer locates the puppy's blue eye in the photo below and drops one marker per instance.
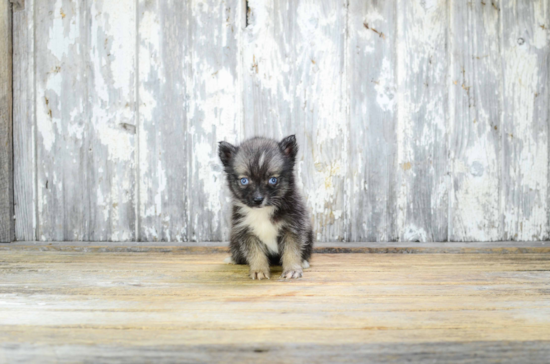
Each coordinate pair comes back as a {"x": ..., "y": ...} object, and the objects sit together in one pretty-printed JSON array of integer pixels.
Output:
[
  {"x": 244, "y": 181},
  {"x": 272, "y": 181}
]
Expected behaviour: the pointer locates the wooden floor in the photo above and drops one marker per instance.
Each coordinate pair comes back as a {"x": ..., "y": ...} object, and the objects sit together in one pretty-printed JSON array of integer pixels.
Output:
[{"x": 58, "y": 306}]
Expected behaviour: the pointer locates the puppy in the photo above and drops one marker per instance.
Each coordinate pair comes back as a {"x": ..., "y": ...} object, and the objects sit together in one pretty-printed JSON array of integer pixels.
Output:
[{"x": 270, "y": 223}]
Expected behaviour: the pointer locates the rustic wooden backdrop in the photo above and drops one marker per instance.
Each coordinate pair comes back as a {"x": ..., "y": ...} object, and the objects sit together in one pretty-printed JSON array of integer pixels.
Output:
[
  {"x": 422, "y": 120},
  {"x": 6, "y": 147}
]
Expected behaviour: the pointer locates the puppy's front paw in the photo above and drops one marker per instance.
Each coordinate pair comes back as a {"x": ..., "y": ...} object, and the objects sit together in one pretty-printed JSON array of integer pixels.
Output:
[
  {"x": 292, "y": 273},
  {"x": 259, "y": 274}
]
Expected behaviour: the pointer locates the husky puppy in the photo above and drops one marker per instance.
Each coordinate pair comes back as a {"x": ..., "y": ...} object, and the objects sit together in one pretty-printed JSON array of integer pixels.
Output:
[{"x": 270, "y": 223}]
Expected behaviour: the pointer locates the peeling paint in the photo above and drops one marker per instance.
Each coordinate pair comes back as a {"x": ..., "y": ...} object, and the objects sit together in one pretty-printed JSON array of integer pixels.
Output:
[
  {"x": 525, "y": 88},
  {"x": 408, "y": 129}
]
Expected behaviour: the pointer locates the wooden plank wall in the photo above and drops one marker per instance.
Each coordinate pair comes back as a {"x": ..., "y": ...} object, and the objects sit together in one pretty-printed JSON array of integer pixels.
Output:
[
  {"x": 417, "y": 120},
  {"x": 6, "y": 134}
]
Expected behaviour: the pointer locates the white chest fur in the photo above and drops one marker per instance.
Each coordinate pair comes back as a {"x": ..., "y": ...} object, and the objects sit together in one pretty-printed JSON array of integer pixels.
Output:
[{"x": 258, "y": 220}]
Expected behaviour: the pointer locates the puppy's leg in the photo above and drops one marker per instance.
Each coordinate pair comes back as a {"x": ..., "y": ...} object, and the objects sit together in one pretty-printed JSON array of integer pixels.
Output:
[
  {"x": 235, "y": 248},
  {"x": 257, "y": 259},
  {"x": 291, "y": 257}
]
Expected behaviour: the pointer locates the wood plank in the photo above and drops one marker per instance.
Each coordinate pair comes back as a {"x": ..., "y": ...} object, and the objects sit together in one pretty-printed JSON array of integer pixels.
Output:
[
  {"x": 85, "y": 118},
  {"x": 6, "y": 131},
  {"x": 319, "y": 112},
  {"x": 254, "y": 351},
  {"x": 213, "y": 257},
  {"x": 367, "y": 248},
  {"x": 24, "y": 126},
  {"x": 267, "y": 61},
  {"x": 293, "y": 76},
  {"x": 214, "y": 112},
  {"x": 371, "y": 54},
  {"x": 537, "y": 276},
  {"x": 164, "y": 66},
  {"x": 524, "y": 132},
  {"x": 475, "y": 121},
  {"x": 83, "y": 337},
  {"x": 283, "y": 320},
  {"x": 422, "y": 129},
  {"x": 214, "y": 266},
  {"x": 110, "y": 132},
  {"x": 62, "y": 121},
  {"x": 282, "y": 303}
]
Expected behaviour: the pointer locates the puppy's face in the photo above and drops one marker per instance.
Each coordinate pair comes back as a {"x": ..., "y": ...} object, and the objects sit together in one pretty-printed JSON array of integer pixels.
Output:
[{"x": 259, "y": 171}]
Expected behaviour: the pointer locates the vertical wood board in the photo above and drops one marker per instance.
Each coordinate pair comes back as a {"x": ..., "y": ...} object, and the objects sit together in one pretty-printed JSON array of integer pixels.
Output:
[
  {"x": 422, "y": 130},
  {"x": 525, "y": 120},
  {"x": 475, "y": 109},
  {"x": 62, "y": 120},
  {"x": 214, "y": 112},
  {"x": 293, "y": 72},
  {"x": 84, "y": 120},
  {"x": 164, "y": 63},
  {"x": 6, "y": 133},
  {"x": 24, "y": 122},
  {"x": 111, "y": 127},
  {"x": 319, "y": 113},
  {"x": 371, "y": 71}
]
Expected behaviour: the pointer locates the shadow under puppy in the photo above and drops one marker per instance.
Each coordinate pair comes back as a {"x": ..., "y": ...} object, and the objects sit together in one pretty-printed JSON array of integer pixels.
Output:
[{"x": 270, "y": 223}]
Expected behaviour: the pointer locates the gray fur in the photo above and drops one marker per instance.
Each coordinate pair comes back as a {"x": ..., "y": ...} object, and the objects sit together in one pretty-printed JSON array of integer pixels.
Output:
[{"x": 270, "y": 223}]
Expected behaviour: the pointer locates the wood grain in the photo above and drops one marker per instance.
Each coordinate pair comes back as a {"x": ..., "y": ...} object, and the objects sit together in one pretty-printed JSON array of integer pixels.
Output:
[
  {"x": 475, "y": 102},
  {"x": 6, "y": 131},
  {"x": 524, "y": 132},
  {"x": 62, "y": 121},
  {"x": 371, "y": 71},
  {"x": 214, "y": 112},
  {"x": 422, "y": 129},
  {"x": 84, "y": 115},
  {"x": 164, "y": 66},
  {"x": 24, "y": 126},
  {"x": 417, "y": 120},
  {"x": 293, "y": 75},
  {"x": 110, "y": 170},
  {"x": 452, "y": 352},
  {"x": 319, "y": 113},
  {"x": 509, "y": 247},
  {"x": 103, "y": 304}
]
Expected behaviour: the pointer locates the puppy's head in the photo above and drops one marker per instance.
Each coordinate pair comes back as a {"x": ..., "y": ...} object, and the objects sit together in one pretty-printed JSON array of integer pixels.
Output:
[{"x": 260, "y": 170}]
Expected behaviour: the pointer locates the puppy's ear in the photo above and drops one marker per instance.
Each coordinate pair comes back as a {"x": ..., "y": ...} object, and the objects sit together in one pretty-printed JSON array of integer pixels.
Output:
[
  {"x": 289, "y": 147},
  {"x": 226, "y": 152}
]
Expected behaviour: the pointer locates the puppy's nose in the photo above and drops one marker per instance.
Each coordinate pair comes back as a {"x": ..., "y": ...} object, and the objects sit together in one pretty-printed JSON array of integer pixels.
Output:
[{"x": 258, "y": 200}]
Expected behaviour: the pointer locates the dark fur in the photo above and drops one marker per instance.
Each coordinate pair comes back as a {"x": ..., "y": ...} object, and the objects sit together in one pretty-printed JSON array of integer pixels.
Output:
[{"x": 259, "y": 159}]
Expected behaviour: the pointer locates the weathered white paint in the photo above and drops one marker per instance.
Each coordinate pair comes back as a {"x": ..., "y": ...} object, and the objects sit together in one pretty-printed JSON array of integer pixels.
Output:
[
  {"x": 24, "y": 130},
  {"x": 525, "y": 120},
  {"x": 61, "y": 85},
  {"x": 475, "y": 110},
  {"x": 293, "y": 62},
  {"x": 416, "y": 120},
  {"x": 214, "y": 111},
  {"x": 7, "y": 223},
  {"x": 111, "y": 98},
  {"x": 163, "y": 63},
  {"x": 371, "y": 65},
  {"x": 422, "y": 130}
]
